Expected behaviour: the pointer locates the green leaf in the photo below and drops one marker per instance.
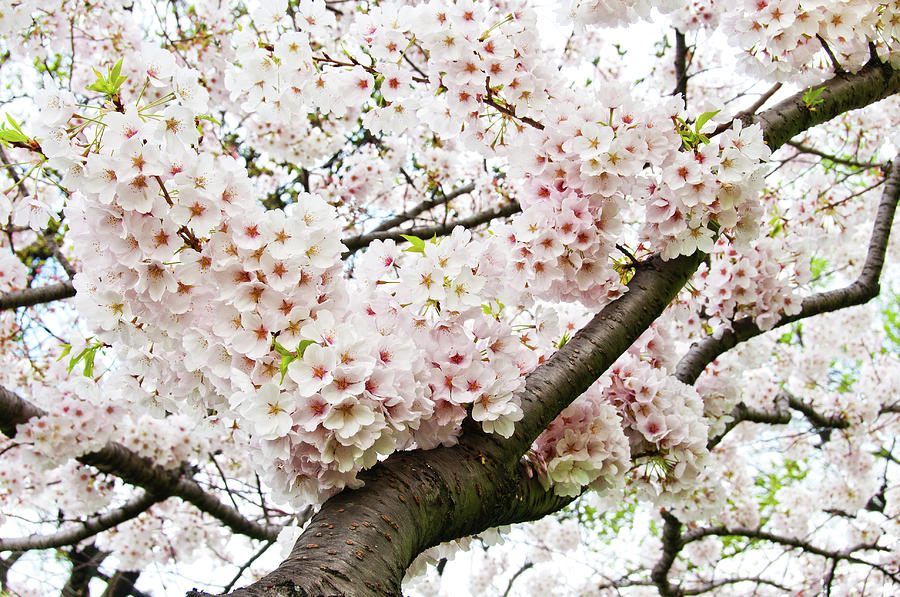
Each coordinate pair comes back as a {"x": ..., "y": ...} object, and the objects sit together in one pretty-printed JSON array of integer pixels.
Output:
[
  {"x": 100, "y": 84},
  {"x": 811, "y": 97},
  {"x": 13, "y": 135},
  {"x": 288, "y": 357},
  {"x": 703, "y": 119},
  {"x": 418, "y": 245},
  {"x": 9, "y": 136},
  {"x": 89, "y": 362},
  {"x": 87, "y": 354},
  {"x": 285, "y": 361},
  {"x": 116, "y": 69},
  {"x": 563, "y": 341},
  {"x": 209, "y": 118},
  {"x": 110, "y": 84},
  {"x": 301, "y": 348},
  {"x": 76, "y": 359},
  {"x": 817, "y": 266},
  {"x": 14, "y": 124},
  {"x": 282, "y": 350},
  {"x": 67, "y": 348}
]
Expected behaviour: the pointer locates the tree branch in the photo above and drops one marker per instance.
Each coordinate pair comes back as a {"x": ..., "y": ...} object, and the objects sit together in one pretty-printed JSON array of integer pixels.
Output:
[
  {"x": 844, "y": 554},
  {"x": 5, "y": 564},
  {"x": 681, "y": 76},
  {"x": 782, "y": 416},
  {"x": 842, "y": 93},
  {"x": 733, "y": 581},
  {"x": 247, "y": 564},
  {"x": 35, "y": 296},
  {"x": 60, "y": 258},
  {"x": 356, "y": 243},
  {"x": 361, "y": 541},
  {"x": 818, "y": 420},
  {"x": 671, "y": 544},
  {"x": 83, "y": 529},
  {"x": 747, "y": 115},
  {"x": 513, "y": 578},
  {"x": 85, "y": 566},
  {"x": 741, "y": 413},
  {"x": 116, "y": 459},
  {"x": 11, "y": 170},
  {"x": 411, "y": 213},
  {"x": 121, "y": 584},
  {"x": 832, "y": 158},
  {"x": 563, "y": 377},
  {"x": 865, "y": 288}
]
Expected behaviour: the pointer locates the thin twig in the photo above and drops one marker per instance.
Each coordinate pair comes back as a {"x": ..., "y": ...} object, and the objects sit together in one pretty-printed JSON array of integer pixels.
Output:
[
  {"x": 744, "y": 114},
  {"x": 356, "y": 243},
  {"x": 247, "y": 564}
]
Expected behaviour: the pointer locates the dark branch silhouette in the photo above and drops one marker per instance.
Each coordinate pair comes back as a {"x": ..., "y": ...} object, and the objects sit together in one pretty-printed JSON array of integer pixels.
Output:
[
  {"x": 78, "y": 531},
  {"x": 116, "y": 459},
  {"x": 356, "y": 243},
  {"x": 36, "y": 296},
  {"x": 862, "y": 290}
]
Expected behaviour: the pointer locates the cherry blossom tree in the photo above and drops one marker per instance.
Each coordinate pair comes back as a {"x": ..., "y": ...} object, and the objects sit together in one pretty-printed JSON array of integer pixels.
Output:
[{"x": 364, "y": 281}]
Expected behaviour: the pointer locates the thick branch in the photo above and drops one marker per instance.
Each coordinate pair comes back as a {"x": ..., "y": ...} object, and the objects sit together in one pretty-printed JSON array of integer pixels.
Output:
[
  {"x": 672, "y": 544},
  {"x": 865, "y": 288},
  {"x": 36, "y": 296},
  {"x": 116, "y": 459},
  {"x": 681, "y": 77},
  {"x": 356, "y": 243},
  {"x": 840, "y": 94},
  {"x": 82, "y": 530},
  {"x": 361, "y": 542},
  {"x": 571, "y": 370}
]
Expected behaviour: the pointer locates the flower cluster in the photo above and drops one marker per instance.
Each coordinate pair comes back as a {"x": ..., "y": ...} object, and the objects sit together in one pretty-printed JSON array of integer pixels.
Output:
[
  {"x": 715, "y": 186},
  {"x": 663, "y": 420},
  {"x": 595, "y": 168},
  {"x": 86, "y": 418},
  {"x": 611, "y": 14},
  {"x": 169, "y": 531},
  {"x": 447, "y": 290},
  {"x": 218, "y": 305},
  {"x": 782, "y": 37},
  {"x": 244, "y": 312},
  {"x": 77, "y": 425},
  {"x": 760, "y": 282},
  {"x": 585, "y": 446}
]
